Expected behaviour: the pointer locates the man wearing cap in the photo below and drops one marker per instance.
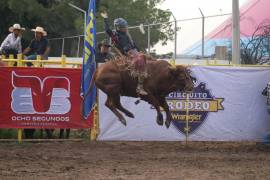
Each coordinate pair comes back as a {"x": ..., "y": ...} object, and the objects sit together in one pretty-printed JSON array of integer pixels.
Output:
[
  {"x": 104, "y": 52},
  {"x": 38, "y": 46},
  {"x": 12, "y": 43}
]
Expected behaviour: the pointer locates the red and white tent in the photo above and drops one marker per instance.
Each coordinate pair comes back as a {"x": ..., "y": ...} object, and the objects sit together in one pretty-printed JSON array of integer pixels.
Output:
[{"x": 252, "y": 14}]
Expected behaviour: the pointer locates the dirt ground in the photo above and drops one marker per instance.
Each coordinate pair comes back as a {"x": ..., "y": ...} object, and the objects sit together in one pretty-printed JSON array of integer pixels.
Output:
[{"x": 133, "y": 160}]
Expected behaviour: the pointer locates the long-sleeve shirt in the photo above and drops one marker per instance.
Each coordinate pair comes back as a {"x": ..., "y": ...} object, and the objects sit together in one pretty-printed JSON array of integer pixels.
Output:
[
  {"x": 12, "y": 42},
  {"x": 120, "y": 39}
]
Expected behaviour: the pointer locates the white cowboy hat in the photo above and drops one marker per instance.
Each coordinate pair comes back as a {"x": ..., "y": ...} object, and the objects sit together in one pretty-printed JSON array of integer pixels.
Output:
[
  {"x": 16, "y": 26},
  {"x": 40, "y": 29}
]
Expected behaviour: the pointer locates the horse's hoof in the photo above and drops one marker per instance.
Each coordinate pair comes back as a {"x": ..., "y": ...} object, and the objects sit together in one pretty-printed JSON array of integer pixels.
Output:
[
  {"x": 160, "y": 120},
  {"x": 130, "y": 115},
  {"x": 137, "y": 102},
  {"x": 167, "y": 123},
  {"x": 123, "y": 121}
]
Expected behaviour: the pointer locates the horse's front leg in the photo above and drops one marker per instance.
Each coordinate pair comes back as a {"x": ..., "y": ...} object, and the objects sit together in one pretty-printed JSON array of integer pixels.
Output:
[
  {"x": 154, "y": 101},
  {"x": 164, "y": 105}
]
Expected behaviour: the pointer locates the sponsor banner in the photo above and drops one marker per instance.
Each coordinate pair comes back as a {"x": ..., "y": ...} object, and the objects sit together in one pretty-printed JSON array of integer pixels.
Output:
[
  {"x": 41, "y": 98},
  {"x": 226, "y": 105}
]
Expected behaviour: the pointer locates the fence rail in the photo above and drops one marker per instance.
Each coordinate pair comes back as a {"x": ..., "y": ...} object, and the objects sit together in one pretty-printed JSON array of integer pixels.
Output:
[
  {"x": 73, "y": 45},
  {"x": 21, "y": 62}
]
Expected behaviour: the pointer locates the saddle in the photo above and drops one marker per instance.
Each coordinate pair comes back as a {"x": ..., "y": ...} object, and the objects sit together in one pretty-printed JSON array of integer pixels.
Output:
[
  {"x": 139, "y": 61},
  {"x": 134, "y": 62}
]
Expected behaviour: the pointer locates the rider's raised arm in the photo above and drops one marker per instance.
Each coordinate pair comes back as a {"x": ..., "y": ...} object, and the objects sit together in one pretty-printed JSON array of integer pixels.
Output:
[
  {"x": 107, "y": 27},
  {"x": 106, "y": 23}
]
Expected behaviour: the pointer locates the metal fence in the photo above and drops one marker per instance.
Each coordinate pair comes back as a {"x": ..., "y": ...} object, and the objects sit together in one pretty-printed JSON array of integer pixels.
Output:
[{"x": 186, "y": 33}]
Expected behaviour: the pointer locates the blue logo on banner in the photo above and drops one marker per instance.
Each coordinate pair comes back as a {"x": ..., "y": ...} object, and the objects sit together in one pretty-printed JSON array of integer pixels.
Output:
[{"x": 199, "y": 104}]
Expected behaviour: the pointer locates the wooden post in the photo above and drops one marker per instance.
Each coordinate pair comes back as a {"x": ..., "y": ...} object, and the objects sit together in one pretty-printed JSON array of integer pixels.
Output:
[
  {"x": 187, "y": 119},
  {"x": 63, "y": 61},
  {"x": 94, "y": 132},
  {"x": 38, "y": 63},
  {"x": 19, "y": 60},
  {"x": 19, "y": 63},
  {"x": 19, "y": 135},
  {"x": 95, "y": 129},
  {"x": 11, "y": 56}
]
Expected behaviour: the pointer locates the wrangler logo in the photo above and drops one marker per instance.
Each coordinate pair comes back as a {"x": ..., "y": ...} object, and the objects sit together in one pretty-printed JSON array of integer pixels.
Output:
[{"x": 200, "y": 103}]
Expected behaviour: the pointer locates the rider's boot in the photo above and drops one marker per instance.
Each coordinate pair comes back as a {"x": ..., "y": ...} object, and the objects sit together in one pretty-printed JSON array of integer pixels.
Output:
[{"x": 140, "y": 90}]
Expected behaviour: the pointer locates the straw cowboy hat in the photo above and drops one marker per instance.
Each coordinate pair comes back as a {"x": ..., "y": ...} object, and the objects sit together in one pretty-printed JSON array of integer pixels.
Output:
[
  {"x": 104, "y": 42},
  {"x": 16, "y": 26},
  {"x": 40, "y": 29}
]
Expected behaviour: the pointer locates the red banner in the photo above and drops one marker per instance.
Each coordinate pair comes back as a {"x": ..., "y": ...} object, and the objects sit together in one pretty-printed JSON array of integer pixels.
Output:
[{"x": 41, "y": 98}]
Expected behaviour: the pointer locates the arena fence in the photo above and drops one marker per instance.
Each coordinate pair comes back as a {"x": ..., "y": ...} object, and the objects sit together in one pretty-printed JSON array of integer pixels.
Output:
[
  {"x": 236, "y": 109},
  {"x": 21, "y": 62},
  {"x": 64, "y": 64}
]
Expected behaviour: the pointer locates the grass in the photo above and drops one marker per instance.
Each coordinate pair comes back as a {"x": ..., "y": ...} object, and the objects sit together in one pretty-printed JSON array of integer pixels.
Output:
[
  {"x": 12, "y": 134},
  {"x": 8, "y": 133}
]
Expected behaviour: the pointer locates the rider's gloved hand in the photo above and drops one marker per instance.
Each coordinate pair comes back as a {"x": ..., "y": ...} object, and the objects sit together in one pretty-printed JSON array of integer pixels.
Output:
[{"x": 104, "y": 14}]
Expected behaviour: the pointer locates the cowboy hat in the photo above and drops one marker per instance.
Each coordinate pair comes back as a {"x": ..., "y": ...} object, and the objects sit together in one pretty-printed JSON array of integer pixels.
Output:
[
  {"x": 40, "y": 30},
  {"x": 16, "y": 26},
  {"x": 105, "y": 42}
]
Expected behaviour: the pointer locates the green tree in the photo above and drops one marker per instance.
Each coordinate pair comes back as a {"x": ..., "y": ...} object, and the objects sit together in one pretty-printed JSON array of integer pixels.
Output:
[
  {"x": 60, "y": 20},
  {"x": 55, "y": 16},
  {"x": 137, "y": 12}
]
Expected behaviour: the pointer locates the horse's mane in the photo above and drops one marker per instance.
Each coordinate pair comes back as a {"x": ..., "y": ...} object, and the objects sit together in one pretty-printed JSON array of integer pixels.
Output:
[
  {"x": 124, "y": 63},
  {"x": 127, "y": 60},
  {"x": 121, "y": 61}
]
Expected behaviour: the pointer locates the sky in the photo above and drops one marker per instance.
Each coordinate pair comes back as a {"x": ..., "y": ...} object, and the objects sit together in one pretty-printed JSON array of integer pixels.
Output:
[{"x": 191, "y": 31}]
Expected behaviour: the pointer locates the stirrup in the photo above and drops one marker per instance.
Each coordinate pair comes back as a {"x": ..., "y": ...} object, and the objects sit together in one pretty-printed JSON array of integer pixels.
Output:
[{"x": 141, "y": 91}]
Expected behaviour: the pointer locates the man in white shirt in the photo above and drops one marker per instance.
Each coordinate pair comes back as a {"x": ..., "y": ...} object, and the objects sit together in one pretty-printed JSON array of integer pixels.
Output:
[{"x": 12, "y": 43}]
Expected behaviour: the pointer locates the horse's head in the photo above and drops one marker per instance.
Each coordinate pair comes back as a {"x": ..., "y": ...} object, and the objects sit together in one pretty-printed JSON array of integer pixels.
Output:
[{"x": 183, "y": 81}]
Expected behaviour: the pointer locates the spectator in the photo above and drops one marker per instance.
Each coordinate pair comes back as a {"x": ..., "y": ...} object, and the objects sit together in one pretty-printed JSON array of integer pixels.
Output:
[
  {"x": 38, "y": 46},
  {"x": 12, "y": 43},
  {"x": 266, "y": 92},
  {"x": 104, "y": 52}
]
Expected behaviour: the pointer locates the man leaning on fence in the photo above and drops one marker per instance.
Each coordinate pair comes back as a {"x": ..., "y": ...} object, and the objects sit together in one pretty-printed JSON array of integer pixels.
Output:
[
  {"x": 38, "y": 46},
  {"x": 12, "y": 43},
  {"x": 104, "y": 52}
]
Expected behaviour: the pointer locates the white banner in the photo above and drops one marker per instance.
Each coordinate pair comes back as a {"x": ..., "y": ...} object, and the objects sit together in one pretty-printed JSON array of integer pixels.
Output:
[{"x": 226, "y": 105}]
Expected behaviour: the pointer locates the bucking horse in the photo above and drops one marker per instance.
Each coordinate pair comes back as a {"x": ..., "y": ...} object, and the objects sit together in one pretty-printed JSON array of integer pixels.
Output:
[{"x": 114, "y": 78}]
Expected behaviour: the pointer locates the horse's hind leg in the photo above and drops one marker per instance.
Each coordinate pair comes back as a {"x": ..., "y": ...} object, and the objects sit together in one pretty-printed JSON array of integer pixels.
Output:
[
  {"x": 111, "y": 105},
  {"x": 117, "y": 102}
]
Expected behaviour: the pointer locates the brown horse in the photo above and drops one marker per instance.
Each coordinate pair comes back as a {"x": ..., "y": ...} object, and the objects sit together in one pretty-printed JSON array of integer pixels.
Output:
[{"x": 114, "y": 79}]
